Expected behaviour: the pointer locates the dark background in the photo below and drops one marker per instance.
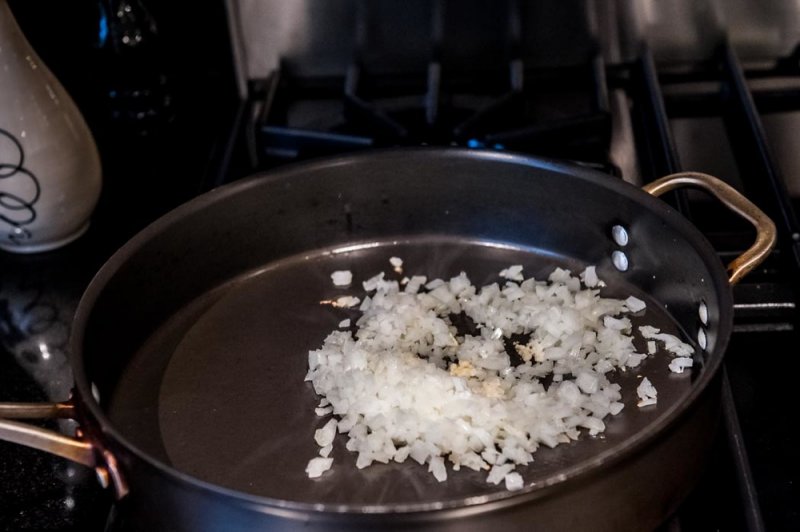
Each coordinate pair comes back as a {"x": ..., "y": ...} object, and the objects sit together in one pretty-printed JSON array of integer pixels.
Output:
[{"x": 189, "y": 51}]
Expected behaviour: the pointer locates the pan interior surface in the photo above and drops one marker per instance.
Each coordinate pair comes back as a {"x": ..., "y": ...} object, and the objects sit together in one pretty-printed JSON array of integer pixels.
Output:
[{"x": 218, "y": 391}]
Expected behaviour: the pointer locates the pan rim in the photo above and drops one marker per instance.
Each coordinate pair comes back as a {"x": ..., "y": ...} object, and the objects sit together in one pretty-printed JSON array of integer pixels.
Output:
[{"x": 574, "y": 473}]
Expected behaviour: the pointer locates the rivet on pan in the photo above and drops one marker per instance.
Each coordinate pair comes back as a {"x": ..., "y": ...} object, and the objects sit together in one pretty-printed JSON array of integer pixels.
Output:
[
  {"x": 702, "y": 340},
  {"x": 620, "y": 235},
  {"x": 702, "y": 311},
  {"x": 102, "y": 476},
  {"x": 620, "y": 260},
  {"x": 95, "y": 392}
]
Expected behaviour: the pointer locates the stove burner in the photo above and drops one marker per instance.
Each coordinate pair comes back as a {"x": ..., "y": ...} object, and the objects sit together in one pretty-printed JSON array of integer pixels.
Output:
[{"x": 557, "y": 116}]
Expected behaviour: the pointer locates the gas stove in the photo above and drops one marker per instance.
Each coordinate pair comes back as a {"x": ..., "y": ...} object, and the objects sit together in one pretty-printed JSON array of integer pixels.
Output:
[{"x": 635, "y": 116}]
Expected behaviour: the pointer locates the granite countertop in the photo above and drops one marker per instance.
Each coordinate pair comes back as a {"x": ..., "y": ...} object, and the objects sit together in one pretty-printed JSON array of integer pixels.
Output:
[{"x": 38, "y": 296}]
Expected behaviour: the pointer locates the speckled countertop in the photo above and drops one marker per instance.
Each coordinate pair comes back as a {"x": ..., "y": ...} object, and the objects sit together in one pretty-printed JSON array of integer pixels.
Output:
[{"x": 38, "y": 296}]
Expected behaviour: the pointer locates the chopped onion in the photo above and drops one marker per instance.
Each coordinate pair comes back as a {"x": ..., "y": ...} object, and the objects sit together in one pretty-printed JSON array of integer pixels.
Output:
[
  {"x": 647, "y": 393},
  {"x": 514, "y": 482},
  {"x": 317, "y": 466},
  {"x": 513, "y": 272},
  {"x": 408, "y": 383},
  {"x": 346, "y": 302},
  {"x": 678, "y": 364},
  {"x": 342, "y": 277}
]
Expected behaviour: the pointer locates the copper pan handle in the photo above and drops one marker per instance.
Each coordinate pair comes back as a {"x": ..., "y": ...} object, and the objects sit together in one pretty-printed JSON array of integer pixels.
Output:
[
  {"x": 731, "y": 198},
  {"x": 65, "y": 410},
  {"x": 78, "y": 449}
]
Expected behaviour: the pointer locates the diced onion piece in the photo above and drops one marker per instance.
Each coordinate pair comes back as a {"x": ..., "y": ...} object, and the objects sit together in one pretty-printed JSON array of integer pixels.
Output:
[
  {"x": 325, "y": 435},
  {"x": 346, "y": 302},
  {"x": 647, "y": 393},
  {"x": 437, "y": 468},
  {"x": 589, "y": 277},
  {"x": 635, "y": 304},
  {"x": 678, "y": 364},
  {"x": 317, "y": 466},
  {"x": 513, "y": 273},
  {"x": 514, "y": 482},
  {"x": 342, "y": 277}
]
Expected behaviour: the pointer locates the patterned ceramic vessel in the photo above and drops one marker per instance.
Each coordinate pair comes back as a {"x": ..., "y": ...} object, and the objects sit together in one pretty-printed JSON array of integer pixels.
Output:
[{"x": 50, "y": 175}]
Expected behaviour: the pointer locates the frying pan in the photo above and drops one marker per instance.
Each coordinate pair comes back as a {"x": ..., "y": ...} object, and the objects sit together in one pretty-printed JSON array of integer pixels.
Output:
[{"x": 189, "y": 347}]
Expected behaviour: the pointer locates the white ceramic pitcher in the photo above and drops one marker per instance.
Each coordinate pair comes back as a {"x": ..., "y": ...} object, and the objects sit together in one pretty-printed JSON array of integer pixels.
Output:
[{"x": 50, "y": 175}]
